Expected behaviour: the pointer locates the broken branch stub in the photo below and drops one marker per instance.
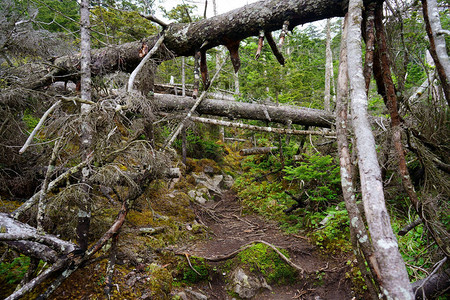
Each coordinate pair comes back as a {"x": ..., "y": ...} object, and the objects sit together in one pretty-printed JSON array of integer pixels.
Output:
[
  {"x": 274, "y": 48},
  {"x": 260, "y": 44},
  {"x": 233, "y": 48},
  {"x": 204, "y": 69}
]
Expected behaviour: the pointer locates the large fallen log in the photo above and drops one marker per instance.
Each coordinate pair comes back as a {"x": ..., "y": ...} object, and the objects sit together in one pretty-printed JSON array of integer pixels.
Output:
[
  {"x": 257, "y": 150},
  {"x": 242, "y": 110},
  {"x": 185, "y": 39}
]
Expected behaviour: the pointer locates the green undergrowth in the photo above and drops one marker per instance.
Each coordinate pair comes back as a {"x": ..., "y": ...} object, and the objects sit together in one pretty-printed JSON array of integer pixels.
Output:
[
  {"x": 262, "y": 259},
  {"x": 315, "y": 179},
  {"x": 197, "y": 271}
]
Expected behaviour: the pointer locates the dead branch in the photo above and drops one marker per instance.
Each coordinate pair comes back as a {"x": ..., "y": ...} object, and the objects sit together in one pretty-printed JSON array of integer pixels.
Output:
[
  {"x": 38, "y": 126},
  {"x": 260, "y": 44},
  {"x": 274, "y": 48},
  {"x": 257, "y": 150},
  {"x": 409, "y": 227},
  {"x": 242, "y": 110},
  {"x": 260, "y": 128}
]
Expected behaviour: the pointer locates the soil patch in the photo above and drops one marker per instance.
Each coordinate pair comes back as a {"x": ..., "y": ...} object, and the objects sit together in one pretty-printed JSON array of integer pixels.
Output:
[{"x": 230, "y": 229}]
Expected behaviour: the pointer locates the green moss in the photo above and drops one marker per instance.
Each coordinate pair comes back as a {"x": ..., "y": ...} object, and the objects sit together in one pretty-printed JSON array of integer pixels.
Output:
[
  {"x": 160, "y": 282},
  {"x": 262, "y": 259},
  {"x": 186, "y": 274}
]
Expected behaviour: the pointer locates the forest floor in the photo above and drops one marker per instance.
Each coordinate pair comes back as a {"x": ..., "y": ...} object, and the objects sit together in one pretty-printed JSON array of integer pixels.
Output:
[{"x": 325, "y": 275}]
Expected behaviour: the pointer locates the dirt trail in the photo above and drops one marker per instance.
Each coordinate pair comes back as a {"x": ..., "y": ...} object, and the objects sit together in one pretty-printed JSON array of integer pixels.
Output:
[{"x": 230, "y": 230}]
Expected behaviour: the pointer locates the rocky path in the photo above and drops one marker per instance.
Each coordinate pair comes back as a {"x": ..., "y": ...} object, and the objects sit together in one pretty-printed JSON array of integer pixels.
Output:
[{"x": 229, "y": 230}]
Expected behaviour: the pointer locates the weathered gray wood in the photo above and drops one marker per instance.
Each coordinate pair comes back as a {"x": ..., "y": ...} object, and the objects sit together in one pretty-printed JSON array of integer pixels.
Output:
[
  {"x": 242, "y": 110},
  {"x": 261, "y": 128},
  {"x": 257, "y": 150},
  {"x": 27, "y": 240}
]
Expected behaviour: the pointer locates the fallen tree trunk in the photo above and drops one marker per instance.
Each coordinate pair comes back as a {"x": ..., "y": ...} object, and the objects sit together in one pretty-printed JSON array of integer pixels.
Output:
[
  {"x": 260, "y": 128},
  {"x": 257, "y": 150},
  {"x": 185, "y": 39},
  {"x": 242, "y": 110},
  {"x": 30, "y": 242}
]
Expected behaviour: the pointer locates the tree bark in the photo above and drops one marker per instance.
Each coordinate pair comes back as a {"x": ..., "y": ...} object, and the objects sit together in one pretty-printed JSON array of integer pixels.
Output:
[
  {"x": 27, "y": 240},
  {"x": 328, "y": 69},
  {"x": 357, "y": 227},
  {"x": 395, "y": 282},
  {"x": 185, "y": 39},
  {"x": 257, "y": 150},
  {"x": 242, "y": 110},
  {"x": 84, "y": 208},
  {"x": 438, "y": 48}
]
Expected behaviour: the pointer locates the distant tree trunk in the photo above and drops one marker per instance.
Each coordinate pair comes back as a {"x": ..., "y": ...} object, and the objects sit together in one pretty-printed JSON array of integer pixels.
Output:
[
  {"x": 236, "y": 83},
  {"x": 183, "y": 76},
  {"x": 328, "y": 69},
  {"x": 84, "y": 212},
  {"x": 394, "y": 278},
  {"x": 438, "y": 48}
]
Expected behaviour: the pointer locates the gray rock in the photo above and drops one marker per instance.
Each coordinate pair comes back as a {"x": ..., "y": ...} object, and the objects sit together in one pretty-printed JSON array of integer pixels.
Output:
[
  {"x": 212, "y": 184},
  {"x": 200, "y": 195},
  {"x": 196, "y": 295},
  {"x": 246, "y": 286},
  {"x": 227, "y": 182},
  {"x": 183, "y": 296}
]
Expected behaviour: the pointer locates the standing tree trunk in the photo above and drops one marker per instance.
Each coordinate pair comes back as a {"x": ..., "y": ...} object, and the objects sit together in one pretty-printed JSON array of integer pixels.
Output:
[
  {"x": 397, "y": 129},
  {"x": 84, "y": 212},
  {"x": 328, "y": 70},
  {"x": 394, "y": 278},
  {"x": 438, "y": 48}
]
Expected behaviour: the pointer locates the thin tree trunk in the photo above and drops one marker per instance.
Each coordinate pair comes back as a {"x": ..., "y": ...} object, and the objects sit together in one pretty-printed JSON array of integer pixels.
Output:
[
  {"x": 328, "y": 69},
  {"x": 357, "y": 227},
  {"x": 438, "y": 48},
  {"x": 84, "y": 212},
  {"x": 395, "y": 282}
]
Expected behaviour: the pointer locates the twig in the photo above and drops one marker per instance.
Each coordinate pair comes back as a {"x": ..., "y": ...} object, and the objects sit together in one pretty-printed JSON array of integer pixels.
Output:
[
  {"x": 155, "y": 19},
  {"x": 190, "y": 265}
]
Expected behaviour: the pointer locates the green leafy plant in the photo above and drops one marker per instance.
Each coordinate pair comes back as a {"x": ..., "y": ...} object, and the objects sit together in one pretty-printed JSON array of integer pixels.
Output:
[
  {"x": 12, "y": 272},
  {"x": 319, "y": 175}
]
